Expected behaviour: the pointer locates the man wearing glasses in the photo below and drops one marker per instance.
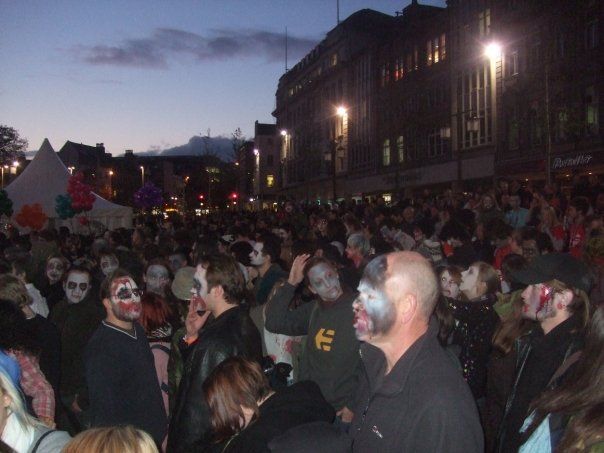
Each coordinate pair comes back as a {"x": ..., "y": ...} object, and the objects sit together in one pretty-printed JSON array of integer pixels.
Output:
[{"x": 120, "y": 373}]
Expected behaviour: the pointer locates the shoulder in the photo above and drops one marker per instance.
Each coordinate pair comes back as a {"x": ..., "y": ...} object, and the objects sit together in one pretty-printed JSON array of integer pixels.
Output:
[{"x": 48, "y": 440}]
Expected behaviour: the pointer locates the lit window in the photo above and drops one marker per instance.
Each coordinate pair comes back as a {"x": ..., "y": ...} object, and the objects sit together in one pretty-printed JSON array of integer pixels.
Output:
[
  {"x": 591, "y": 111},
  {"x": 511, "y": 63},
  {"x": 484, "y": 22},
  {"x": 400, "y": 146},
  {"x": 443, "y": 47},
  {"x": 270, "y": 180},
  {"x": 429, "y": 51},
  {"x": 386, "y": 153}
]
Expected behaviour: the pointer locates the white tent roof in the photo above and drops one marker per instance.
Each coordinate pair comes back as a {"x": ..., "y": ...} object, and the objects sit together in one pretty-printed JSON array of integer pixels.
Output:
[{"x": 46, "y": 177}]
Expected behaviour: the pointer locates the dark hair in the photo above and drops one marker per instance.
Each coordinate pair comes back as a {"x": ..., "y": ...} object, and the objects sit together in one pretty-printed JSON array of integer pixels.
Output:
[
  {"x": 271, "y": 246},
  {"x": 234, "y": 383},
  {"x": 155, "y": 311},
  {"x": 445, "y": 319},
  {"x": 581, "y": 204},
  {"x": 223, "y": 270},
  {"x": 105, "y": 290},
  {"x": 312, "y": 262},
  {"x": 581, "y": 397},
  {"x": 454, "y": 230},
  {"x": 241, "y": 250},
  {"x": 14, "y": 333}
]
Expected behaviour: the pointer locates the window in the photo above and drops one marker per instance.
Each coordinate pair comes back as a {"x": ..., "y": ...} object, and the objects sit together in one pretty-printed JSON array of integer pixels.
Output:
[
  {"x": 385, "y": 79},
  {"x": 429, "y": 52},
  {"x": 415, "y": 58},
  {"x": 591, "y": 35},
  {"x": 270, "y": 180},
  {"x": 436, "y": 144},
  {"x": 511, "y": 63},
  {"x": 513, "y": 130},
  {"x": 484, "y": 22},
  {"x": 443, "y": 47},
  {"x": 561, "y": 125},
  {"x": 534, "y": 57},
  {"x": 591, "y": 110},
  {"x": 386, "y": 153},
  {"x": 400, "y": 146},
  {"x": 334, "y": 59},
  {"x": 474, "y": 107},
  {"x": 535, "y": 129},
  {"x": 269, "y": 160},
  {"x": 433, "y": 51},
  {"x": 398, "y": 68}
]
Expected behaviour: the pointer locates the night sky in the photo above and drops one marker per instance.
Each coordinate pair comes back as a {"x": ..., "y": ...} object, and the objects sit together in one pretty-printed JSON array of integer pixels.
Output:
[{"x": 148, "y": 75}]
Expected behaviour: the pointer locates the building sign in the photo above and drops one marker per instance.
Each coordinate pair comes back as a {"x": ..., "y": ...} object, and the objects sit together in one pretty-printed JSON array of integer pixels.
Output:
[{"x": 579, "y": 160}]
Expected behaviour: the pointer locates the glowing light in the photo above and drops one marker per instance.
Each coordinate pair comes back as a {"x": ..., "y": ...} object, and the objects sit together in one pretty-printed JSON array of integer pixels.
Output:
[
  {"x": 493, "y": 51},
  {"x": 283, "y": 132},
  {"x": 341, "y": 111}
]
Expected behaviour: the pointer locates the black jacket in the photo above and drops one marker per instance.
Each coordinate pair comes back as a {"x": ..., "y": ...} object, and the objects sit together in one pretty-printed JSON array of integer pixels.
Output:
[
  {"x": 233, "y": 333},
  {"x": 422, "y": 405}
]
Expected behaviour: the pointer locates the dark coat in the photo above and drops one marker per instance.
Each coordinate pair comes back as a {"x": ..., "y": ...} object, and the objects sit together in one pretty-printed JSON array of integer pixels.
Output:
[
  {"x": 422, "y": 405},
  {"x": 233, "y": 333}
]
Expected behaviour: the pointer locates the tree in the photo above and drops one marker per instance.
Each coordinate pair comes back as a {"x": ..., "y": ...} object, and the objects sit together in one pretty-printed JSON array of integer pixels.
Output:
[
  {"x": 237, "y": 140},
  {"x": 12, "y": 145}
]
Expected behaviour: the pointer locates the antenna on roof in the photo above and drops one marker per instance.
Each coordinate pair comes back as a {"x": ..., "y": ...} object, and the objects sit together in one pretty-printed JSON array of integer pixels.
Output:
[
  {"x": 285, "y": 49},
  {"x": 338, "y": 10}
]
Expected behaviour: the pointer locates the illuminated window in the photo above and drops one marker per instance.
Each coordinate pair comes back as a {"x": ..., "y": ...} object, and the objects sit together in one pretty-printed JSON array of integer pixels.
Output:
[
  {"x": 484, "y": 22},
  {"x": 591, "y": 100},
  {"x": 386, "y": 153},
  {"x": 270, "y": 180},
  {"x": 385, "y": 74},
  {"x": 400, "y": 146},
  {"x": 443, "y": 47}
]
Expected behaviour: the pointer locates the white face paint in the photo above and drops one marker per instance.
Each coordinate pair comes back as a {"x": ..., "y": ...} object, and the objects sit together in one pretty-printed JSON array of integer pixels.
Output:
[
  {"x": 448, "y": 286},
  {"x": 125, "y": 299},
  {"x": 54, "y": 270},
  {"x": 156, "y": 278},
  {"x": 199, "y": 291},
  {"x": 76, "y": 287},
  {"x": 373, "y": 313},
  {"x": 469, "y": 282},
  {"x": 108, "y": 264},
  {"x": 257, "y": 257},
  {"x": 325, "y": 282}
]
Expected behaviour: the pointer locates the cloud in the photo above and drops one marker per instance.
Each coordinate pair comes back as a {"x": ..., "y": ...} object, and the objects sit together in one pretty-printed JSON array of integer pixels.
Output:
[{"x": 156, "y": 50}]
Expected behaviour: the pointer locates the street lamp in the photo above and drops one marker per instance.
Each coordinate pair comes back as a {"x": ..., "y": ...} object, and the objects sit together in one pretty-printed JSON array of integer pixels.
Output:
[
  {"x": 142, "y": 174},
  {"x": 110, "y": 184},
  {"x": 71, "y": 169},
  {"x": 493, "y": 51}
]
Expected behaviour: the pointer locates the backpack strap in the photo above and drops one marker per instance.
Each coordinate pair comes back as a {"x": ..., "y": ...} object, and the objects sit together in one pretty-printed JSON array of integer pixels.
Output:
[
  {"x": 570, "y": 361},
  {"x": 40, "y": 439}
]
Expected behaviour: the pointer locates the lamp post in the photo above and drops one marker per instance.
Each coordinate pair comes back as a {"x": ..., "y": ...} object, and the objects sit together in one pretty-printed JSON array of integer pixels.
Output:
[
  {"x": 71, "y": 169},
  {"x": 493, "y": 52},
  {"x": 110, "y": 184},
  {"x": 342, "y": 112},
  {"x": 4, "y": 167},
  {"x": 142, "y": 174}
]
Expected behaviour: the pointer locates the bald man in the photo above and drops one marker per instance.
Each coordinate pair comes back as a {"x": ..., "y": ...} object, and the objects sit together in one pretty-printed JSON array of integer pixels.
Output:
[{"x": 412, "y": 397}]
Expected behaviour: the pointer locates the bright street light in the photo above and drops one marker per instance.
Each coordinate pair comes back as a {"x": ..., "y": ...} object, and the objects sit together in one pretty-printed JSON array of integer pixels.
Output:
[
  {"x": 493, "y": 51},
  {"x": 341, "y": 111},
  {"x": 283, "y": 132}
]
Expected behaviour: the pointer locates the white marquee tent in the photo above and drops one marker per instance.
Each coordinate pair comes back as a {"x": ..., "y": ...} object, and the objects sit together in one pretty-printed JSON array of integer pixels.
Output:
[{"x": 46, "y": 177}]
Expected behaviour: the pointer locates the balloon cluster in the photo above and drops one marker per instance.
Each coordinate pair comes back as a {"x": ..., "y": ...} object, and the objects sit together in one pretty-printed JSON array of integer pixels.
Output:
[
  {"x": 63, "y": 207},
  {"x": 148, "y": 196},
  {"x": 6, "y": 204},
  {"x": 32, "y": 216},
  {"x": 81, "y": 194}
]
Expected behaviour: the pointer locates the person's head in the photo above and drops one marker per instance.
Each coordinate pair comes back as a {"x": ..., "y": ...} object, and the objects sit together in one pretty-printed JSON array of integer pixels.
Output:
[
  {"x": 511, "y": 263},
  {"x": 578, "y": 208},
  {"x": 267, "y": 249},
  {"x": 182, "y": 285},
  {"x": 322, "y": 279},
  {"x": 12, "y": 404},
  {"x": 450, "y": 279},
  {"x": 479, "y": 279},
  {"x": 108, "y": 262},
  {"x": 121, "y": 297},
  {"x": 397, "y": 295},
  {"x": 13, "y": 289},
  {"x": 19, "y": 269},
  {"x": 241, "y": 251},
  {"x": 549, "y": 216},
  {"x": 357, "y": 246},
  {"x": 488, "y": 202},
  {"x": 155, "y": 312},
  {"x": 76, "y": 284},
  {"x": 177, "y": 260},
  {"x": 113, "y": 439},
  {"x": 408, "y": 214},
  {"x": 56, "y": 265},
  {"x": 156, "y": 277},
  {"x": 233, "y": 392},
  {"x": 530, "y": 248},
  {"x": 218, "y": 282},
  {"x": 514, "y": 201}
]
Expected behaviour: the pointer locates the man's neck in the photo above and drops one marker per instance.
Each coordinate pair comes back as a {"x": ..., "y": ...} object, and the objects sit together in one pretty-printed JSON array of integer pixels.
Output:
[
  {"x": 222, "y": 307},
  {"x": 124, "y": 325},
  {"x": 549, "y": 324},
  {"x": 396, "y": 346},
  {"x": 263, "y": 269}
]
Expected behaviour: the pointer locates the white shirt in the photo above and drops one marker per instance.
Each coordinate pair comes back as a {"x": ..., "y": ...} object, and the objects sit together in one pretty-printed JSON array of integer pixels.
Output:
[{"x": 38, "y": 304}]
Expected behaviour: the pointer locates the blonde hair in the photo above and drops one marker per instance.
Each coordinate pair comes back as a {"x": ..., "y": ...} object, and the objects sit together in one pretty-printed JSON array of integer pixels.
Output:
[
  {"x": 113, "y": 439},
  {"x": 13, "y": 289},
  {"x": 16, "y": 406}
]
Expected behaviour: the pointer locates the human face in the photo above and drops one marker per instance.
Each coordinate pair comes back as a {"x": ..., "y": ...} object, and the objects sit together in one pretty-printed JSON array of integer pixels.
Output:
[
  {"x": 108, "y": 264},
  {"x": 374, "y": 314},
  {"x": 54, "y": 270},
  {"x": 529, "y": 249},
  {"x": 125, "y": 299},
  {"x": 448, "y": 286},
  {"x": 487, "y": 202},
  {"x": 176, "y": 262},
  {"x": 76, "y": 286},
  {"x": 257, "y": 256},
  {"x": 469, "y": 282},
  {"x": 325, "y": 282},
  {"x": 538, "y": 302},
  {"x": 281, "y": 234},
  {"x": 199, "y": 292},
  {"x": 156, "y": 278}
]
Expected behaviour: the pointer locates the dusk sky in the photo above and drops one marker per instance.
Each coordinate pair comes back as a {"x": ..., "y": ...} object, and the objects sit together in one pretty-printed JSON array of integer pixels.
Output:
[{"x": 149, "y": 75}]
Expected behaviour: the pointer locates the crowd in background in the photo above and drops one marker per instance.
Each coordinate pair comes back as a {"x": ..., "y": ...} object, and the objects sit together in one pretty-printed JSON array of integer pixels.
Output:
[{"x": 125, "y": 327}]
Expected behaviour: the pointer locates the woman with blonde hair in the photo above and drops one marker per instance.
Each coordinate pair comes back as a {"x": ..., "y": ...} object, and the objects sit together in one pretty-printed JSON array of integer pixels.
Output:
[{"x": 113, "y": 439}]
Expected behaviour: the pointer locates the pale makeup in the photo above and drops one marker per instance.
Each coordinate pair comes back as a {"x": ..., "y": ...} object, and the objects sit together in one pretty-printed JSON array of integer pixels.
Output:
[
  {"x": 76, "y": 287},
  {"x": 373, "y": 313},
  {"x": 538, "y": 302},
  {"x": 199, "y": 291},
  {"x": 257, "y": 257},
  {"x": 156, "y": 278},
  {"x": 108, "y": 264},
  {"x": 325, "y": 282},
  {"x": 448, "y": 286},
  {"x": 469, "y": 280},
  {"x": 125, "y": 299},
  {"x": 54, "y": 270}
]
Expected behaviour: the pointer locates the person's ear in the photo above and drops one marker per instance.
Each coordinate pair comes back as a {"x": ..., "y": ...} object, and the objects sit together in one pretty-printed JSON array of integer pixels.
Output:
[
  {"x": 217, "y": 291},
  {"x": 107, "y": 304},
  {"x": 6, "y": 400}
]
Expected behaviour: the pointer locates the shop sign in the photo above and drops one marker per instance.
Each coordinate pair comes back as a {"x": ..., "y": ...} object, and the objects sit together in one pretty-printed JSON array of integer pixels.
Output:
[{"x": 560, "y": 163}]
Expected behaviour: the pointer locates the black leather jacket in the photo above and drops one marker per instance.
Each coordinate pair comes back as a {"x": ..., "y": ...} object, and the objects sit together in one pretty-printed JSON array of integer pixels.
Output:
[{"x": 233, "y": 333}]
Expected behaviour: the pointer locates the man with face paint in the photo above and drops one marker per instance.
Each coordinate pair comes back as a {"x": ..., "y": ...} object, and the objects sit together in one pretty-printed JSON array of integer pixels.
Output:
[
  {"x": 412, "y": 397},
  {"x": 156, "y": 278},
  {"x": 331, "y": 355},
  {"x": 556, "y": 297},
  {"x": 218, "y": 290},
  {"x": 51, "y": 286},
  {"x": 77, "y": 317},
  {"x": 108, "y": 263},
  {"x": 263, "y": 258},
  {"x": 120, "y": 370}
]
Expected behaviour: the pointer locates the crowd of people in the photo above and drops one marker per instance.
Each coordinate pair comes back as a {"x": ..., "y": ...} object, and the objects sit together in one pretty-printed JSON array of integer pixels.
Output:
[{"x": 458, "y": 322}]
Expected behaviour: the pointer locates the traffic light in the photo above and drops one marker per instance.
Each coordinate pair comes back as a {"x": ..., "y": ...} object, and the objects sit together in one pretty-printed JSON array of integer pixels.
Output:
[
  {"x": 200, "y": 196},
  {"x": 233, "y": 196}
]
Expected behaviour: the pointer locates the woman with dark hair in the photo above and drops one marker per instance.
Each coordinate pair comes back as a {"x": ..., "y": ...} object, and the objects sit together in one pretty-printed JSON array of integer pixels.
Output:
[
  {"x": 155, "y": 316},
  {"x": 246, "y": 414},
  {"x": 571, "y": 417},
  {"x": 50, "y": 282}
]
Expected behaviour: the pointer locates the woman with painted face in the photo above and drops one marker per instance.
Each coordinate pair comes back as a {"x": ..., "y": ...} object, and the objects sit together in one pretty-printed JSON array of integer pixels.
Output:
[
  {"x": 475, "y": 321},
  {"x": 450, "y": 279},
  {"x": 51, "y": 285},
  {"x": 157, "y": 277}
]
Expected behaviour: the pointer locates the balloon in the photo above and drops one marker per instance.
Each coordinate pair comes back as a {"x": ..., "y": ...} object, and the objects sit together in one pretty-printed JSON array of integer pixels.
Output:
[
  {"x": 32, "y": 216},
  {"x": 148, "y": 196},
  {"x": 64, "y": 207},
  {"x": 81, "y": 194}
]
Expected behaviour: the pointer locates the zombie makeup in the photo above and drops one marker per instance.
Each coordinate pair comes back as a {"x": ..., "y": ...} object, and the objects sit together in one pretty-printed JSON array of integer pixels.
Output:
[
  {"x": 125, "y": 299},
  {"x": 538, "y": 301},
  {"x": 108, "y": 264},
  {"x": 325, "y": 282},
  {"x": 176, "y": 262},
  {"x": 199, "y": 291},
  {"x": 374, "y": 314},
  {"x": 156, "y": 279},
  {"x": 469, "y": 281},
  {"x": 257, "y": 257},
  {"x": 54, "y": 270},
  {"x": 448, "y": 286},
  {"x": 76, "y": 286}
]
